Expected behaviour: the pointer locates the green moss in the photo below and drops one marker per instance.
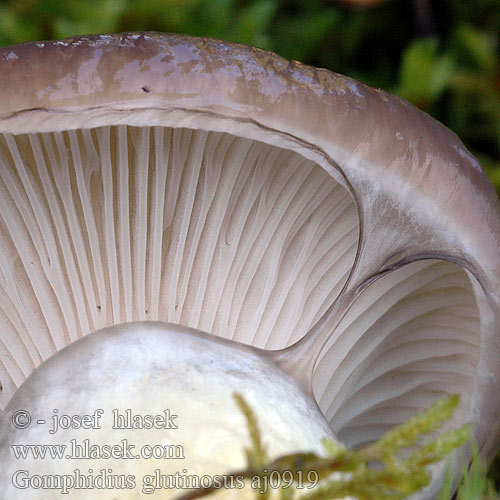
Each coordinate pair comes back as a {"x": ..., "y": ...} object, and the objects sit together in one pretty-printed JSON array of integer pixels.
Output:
[{"x": 391, "y": 468}]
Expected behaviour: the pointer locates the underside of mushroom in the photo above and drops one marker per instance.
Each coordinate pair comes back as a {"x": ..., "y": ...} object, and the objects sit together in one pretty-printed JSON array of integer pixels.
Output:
[
  {"x": 230, "y": 236},
  {"x": 365, "y": 254}
]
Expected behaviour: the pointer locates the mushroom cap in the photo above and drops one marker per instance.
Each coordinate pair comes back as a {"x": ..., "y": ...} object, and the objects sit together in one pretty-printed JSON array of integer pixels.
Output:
[
  {"x": 162, "y": 396},
  {"x": 362, "y": 233},
  {"x": 361, "y": 134}
]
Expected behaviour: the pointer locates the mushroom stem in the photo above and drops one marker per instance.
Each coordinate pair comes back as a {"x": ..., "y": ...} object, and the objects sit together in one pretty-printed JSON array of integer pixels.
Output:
[{"x": 299, "y": 360}]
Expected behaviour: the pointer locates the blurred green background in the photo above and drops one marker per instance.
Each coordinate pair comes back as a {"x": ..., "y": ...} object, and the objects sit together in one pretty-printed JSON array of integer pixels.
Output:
[{"x": 443, "y": 56}]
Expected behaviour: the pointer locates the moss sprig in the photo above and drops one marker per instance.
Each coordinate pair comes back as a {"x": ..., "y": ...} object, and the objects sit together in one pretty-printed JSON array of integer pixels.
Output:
[{"x": 392, "y": 468}]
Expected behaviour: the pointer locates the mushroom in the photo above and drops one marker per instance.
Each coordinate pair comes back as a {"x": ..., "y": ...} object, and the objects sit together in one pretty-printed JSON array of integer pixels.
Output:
[
  {"x": 150, "y": 404},
  {"x": 347, "y": 236}
]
